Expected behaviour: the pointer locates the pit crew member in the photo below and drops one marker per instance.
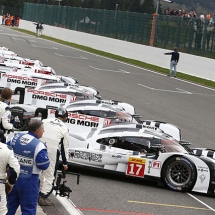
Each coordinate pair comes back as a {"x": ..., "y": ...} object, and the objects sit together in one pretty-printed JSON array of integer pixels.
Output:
[
  {"x": 10, "y": 165},
  {"x": 56, "y": 136},
  {"x": 33, "y": 158},
  {"x": 5, "y": 113}
]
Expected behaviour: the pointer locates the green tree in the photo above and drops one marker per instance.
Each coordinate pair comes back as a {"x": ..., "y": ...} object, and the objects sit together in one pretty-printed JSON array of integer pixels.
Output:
[
  {"x": 148, "y": 6},
  {"x": 134, "y": 6},
  {"x": 91, "y": 4}
]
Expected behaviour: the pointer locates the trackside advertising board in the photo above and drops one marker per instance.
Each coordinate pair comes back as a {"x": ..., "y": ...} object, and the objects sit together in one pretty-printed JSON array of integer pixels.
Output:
[
  {"x": 15, "y": 80},
  {"x": 43, "y": 98}
]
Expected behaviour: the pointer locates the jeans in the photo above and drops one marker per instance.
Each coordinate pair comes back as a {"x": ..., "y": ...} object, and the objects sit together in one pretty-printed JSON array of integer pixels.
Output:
[{"x": 173, "y": 64}]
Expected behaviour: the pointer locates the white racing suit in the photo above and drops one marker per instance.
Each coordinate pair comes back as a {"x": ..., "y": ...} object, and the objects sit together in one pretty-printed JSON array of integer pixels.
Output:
[
  {"x": 5, "y": 117},
  {"x": 7, "y": 159},
  {"x": 56, "y": 133}
]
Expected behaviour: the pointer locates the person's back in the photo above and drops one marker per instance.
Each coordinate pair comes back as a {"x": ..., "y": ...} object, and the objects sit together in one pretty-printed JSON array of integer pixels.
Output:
[
  {"x": 175, "y": 56},
  {"x": 55, "y": 130},
  {"x": 33, "y": 158},
  {"x": 5, "y": 113},
  {"x": 7, "y": 161},
  {"x": 56, "y": 136}
]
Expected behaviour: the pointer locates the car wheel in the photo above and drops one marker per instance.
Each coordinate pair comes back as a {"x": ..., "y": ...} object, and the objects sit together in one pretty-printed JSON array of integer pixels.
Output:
[
  {"x": 179, "y": 173},
  {"x": 20, "y": 126}
]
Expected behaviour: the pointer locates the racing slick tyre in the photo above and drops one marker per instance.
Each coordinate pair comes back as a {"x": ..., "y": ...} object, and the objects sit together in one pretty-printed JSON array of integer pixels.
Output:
[{"x": 179, "y": 173}]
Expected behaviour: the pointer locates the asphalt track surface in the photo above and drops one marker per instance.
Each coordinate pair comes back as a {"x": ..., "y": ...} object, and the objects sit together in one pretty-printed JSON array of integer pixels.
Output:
[{"x": 155, "y": 96}]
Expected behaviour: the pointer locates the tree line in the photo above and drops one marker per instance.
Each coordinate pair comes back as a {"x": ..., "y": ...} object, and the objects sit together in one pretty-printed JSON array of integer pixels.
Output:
[{"x": 139, "y": 6}]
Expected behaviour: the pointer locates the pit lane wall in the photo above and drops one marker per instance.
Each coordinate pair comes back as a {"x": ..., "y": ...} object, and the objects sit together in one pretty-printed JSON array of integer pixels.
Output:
[{"x": 189, "y": 64}]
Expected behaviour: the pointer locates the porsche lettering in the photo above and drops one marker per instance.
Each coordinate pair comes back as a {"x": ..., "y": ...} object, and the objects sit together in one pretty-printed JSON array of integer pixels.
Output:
[
  {"x": 79, "y": 116},
  {"x": 22, "y": 78},
  {"x": 50, "y": 94},
  {"x": 83, "y": 117}
]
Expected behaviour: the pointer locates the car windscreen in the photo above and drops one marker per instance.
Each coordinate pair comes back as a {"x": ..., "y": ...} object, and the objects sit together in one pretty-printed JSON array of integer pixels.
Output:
[{"x": 172, "y": 146}]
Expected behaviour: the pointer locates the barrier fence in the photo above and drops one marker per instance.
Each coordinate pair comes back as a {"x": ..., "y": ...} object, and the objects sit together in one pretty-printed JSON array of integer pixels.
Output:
[{"x": 191, "y": 35}]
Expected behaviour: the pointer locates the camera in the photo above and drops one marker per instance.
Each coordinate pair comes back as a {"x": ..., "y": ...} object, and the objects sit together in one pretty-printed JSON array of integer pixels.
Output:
[{"x": 62, "y": 189}]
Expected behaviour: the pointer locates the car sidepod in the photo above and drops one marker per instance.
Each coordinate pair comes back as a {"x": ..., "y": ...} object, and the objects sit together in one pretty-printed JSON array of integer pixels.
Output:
[{"x": 209, "y": 172}]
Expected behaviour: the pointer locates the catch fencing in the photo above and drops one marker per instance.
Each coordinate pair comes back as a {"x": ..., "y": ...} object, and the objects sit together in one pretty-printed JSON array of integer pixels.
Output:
[{"x": 191, "y": 35}]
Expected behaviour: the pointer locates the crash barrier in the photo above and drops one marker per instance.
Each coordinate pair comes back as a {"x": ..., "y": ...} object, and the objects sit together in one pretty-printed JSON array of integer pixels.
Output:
[
  {"x": 191, "y": 35},
  {"x": 190, "y": 64}
]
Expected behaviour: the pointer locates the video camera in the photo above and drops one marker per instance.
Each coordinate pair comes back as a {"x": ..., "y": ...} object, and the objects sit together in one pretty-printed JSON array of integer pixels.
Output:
[{"x": 62, "y": 189}]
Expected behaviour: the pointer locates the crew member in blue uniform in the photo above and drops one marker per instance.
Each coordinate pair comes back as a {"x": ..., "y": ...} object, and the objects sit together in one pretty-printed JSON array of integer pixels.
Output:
[{"x": 33, "y": 158}]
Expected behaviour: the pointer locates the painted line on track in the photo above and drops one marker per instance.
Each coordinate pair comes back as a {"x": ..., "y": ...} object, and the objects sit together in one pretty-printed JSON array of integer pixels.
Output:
[
  {"x": 113, "y": 211},
  {"x": 81, "y": 57},
  {"x": 210, "y": 208},
  {"x": 167, "y": 205},
  {"x": 106, "y": 70},
  {"x": 44, "y": 47},
  {"x": 171, "y": 91},
  {"x": 69, "y": 206}
]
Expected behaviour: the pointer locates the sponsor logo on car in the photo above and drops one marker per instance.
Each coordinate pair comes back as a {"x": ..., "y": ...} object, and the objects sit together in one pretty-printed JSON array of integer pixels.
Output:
[
  {"x": 107, "y": 122},
  {"x": 136, "y": 167},
  {"x": 73, "y": 98},
  {"x": 88, "y": 156},
  {"x": 21, "y": 79},
  {"x": 137, "y": 160},
  {"x": 156, "y": 165},
  {"x": 81, "y": 119},
  {"x": 116, "y": 156},
  {"x": 202, "y": 169},
  {"x": 48, "y": 96},
  {"x": 202, "y": 178}
]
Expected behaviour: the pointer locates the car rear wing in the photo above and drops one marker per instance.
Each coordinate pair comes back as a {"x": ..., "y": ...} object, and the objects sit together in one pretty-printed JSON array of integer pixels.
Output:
[{"x": 167, "y": 128}]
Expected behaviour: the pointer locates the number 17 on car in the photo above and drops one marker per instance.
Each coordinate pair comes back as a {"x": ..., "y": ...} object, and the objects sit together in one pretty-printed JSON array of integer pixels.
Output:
[{"x": 136, "y": 167}]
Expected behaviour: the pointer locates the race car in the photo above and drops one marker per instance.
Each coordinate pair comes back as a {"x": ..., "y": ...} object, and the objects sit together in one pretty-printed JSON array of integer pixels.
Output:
[
  {"x": 144, "y": 153},
  {"x": 4, "y": 48},
  {"x": 19, "y": 60},
  {"x": 67, "y": 88},
  {"x": 27, "y": 67},
  {"x": 7, "y": 53},
  {"x": 26, "y": 79},
  {"x": 135, "y": 151},
  {"x": 83, "y": 114}
]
